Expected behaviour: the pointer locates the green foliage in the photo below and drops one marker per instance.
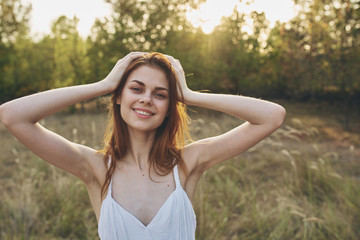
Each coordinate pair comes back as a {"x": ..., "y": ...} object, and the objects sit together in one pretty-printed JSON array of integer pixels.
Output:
[
  {"x": 14, "y": 18},
  {"x": 313, "y": 56},
  {"x": 316, "y": 46}
]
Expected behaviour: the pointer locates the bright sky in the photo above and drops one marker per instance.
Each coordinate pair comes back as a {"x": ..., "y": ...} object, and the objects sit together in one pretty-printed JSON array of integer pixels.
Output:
[
  {"x": 209, "y": 14},
  {"x": 44, "y": 12}
]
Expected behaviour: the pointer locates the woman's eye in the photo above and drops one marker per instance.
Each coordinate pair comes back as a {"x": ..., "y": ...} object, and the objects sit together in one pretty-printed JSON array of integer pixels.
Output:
[
  {"x": 160, "y": 95},
  {"x": 136, "y": 89}
]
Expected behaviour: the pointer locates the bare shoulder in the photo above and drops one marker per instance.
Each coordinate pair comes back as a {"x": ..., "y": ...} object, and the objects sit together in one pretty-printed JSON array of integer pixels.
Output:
[
  {"x": 96, "y": 178},
  {"x": 189, "y": 180},
  {"x": 97, "y": 165}
]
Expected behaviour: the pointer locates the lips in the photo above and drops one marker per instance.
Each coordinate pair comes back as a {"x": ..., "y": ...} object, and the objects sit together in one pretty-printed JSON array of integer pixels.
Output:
[{"x": 143, "y": 112}]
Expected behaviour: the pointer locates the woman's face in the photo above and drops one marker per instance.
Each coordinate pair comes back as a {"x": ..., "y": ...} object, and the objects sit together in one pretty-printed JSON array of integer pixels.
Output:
[{"x": 144, "y": 100}]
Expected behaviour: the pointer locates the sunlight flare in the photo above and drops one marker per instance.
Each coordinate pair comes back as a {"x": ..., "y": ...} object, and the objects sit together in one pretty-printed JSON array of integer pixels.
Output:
[{"x": 209, "y": 14}]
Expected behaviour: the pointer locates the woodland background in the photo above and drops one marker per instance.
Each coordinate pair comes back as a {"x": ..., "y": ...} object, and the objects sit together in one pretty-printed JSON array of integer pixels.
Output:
[
  {"x": 315, "y": 56},
  {"x": 300, "y": 183}
]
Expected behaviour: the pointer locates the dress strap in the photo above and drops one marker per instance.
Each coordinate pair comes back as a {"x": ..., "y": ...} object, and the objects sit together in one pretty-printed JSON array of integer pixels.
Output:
[
  {"x": 109, "y": 161},
  {"x": 110, "y": 185},
  {"x": 176, "y": 177}
]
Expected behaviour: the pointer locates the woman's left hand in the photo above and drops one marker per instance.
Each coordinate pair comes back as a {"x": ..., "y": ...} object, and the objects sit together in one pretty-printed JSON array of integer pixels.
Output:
[{"x": 183, "y": 89}]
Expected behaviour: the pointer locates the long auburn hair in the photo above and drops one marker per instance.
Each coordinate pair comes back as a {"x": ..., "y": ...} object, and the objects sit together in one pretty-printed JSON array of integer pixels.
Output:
[{"x": 170, "y": 135}]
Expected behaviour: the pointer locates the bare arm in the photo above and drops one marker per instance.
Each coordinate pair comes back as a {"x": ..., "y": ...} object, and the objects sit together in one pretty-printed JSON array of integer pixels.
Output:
[
  {"x": 262, "y": 118},
  {"x": 21, "y": 117}
]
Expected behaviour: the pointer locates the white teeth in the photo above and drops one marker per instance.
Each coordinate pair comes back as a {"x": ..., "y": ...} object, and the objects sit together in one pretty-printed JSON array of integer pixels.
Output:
[{"x": 143, "y": 113}]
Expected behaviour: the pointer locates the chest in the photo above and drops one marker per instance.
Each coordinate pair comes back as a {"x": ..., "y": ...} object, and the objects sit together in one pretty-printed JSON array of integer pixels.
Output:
[{"x": 141, "y": 195}]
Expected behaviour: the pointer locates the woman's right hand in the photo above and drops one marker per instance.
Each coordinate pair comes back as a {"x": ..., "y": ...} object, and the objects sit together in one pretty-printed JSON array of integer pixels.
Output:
[{"x": 114, "y": 77}]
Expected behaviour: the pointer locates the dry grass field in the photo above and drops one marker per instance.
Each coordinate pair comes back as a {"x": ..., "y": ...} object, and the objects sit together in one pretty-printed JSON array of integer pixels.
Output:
[{"x": 302, "y": 182}]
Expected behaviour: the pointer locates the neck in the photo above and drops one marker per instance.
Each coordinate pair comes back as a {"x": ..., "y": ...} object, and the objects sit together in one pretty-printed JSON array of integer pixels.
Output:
[{"x": 140, "y": 147}]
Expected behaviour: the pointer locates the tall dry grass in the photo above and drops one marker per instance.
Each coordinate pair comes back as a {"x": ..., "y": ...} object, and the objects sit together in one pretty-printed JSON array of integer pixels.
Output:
[{"x": 292, "y": 185}]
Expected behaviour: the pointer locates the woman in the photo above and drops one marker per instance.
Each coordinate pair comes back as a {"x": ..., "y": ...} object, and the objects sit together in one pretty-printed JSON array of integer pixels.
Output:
[{"x": 142, "y": 183}]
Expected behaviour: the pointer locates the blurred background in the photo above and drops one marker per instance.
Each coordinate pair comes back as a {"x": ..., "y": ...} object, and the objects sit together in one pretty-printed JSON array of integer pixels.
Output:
[{"x": 300, "y": 183}]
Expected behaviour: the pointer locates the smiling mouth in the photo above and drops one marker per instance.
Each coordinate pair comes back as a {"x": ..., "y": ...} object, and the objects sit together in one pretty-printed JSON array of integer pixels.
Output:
[{"x": 143, "y": 112}]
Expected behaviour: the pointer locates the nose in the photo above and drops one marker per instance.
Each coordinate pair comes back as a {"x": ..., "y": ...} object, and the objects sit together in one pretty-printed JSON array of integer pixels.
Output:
[{"x": 146, "y": 99}]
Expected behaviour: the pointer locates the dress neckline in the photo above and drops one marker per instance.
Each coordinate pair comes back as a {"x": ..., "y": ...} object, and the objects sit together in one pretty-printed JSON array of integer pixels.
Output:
[
  {"x": 137, "y": 219},
  {"x": 177, "y": 187}
]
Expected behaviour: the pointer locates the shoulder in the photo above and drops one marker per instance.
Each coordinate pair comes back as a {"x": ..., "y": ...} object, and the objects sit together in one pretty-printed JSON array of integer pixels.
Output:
[
  {"x": 193, "y": 154},
  {"x": 190, "y": 176},
  {"x": 96, "y": 178},
  {"x": 97, "y": 166}
]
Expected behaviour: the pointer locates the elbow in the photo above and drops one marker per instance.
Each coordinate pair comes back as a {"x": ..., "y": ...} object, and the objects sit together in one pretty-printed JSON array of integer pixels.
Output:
[
  {"x": 5, "y": 115},
  {"x": 278, "y": 116},
  {"x": 2, "y": 114}
]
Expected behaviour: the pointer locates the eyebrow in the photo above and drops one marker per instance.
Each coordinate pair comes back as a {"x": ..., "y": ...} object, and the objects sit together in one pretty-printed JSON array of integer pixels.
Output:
[{"x": 143, "y": 84}]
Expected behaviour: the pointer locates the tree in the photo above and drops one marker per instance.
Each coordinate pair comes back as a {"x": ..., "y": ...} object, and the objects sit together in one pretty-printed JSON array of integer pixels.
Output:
[
  {"x": 14, "y": 19},
  {"x": 239, "y": 53},
  {"x": 70, "y": 54},
  {"x": 144, "y": 25},
  {"x": 99, "y": 49},
  {"x": 330, "y": 31}
]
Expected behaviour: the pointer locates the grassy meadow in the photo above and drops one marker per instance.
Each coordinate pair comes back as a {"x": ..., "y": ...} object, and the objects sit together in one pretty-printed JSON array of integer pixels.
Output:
[{"x": 302, "y": 182}]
